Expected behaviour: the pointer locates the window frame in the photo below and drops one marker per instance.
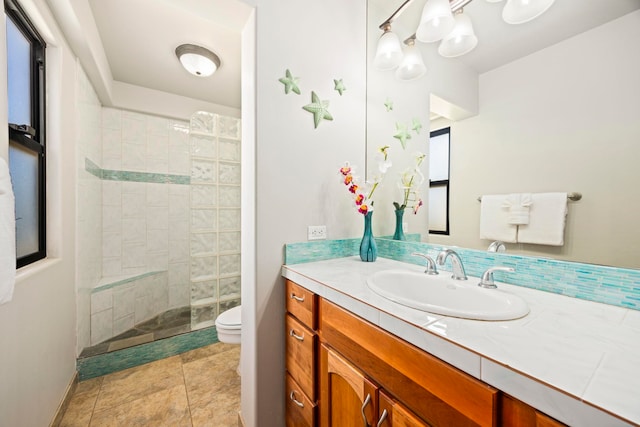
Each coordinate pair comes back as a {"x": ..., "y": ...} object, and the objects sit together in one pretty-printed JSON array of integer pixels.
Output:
[
  {"x": 444, "y": 182},
  {"x": 18, "y": 134}
]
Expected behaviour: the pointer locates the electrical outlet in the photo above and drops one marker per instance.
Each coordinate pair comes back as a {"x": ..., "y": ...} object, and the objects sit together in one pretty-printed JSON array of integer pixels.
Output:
[{"x": 317, "y": 232}]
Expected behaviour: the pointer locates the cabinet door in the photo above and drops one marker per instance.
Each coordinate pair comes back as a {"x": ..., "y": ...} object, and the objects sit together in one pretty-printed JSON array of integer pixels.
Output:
[
  {"x": 347, "y": 398},
  {"x": 394, "y": 414}
]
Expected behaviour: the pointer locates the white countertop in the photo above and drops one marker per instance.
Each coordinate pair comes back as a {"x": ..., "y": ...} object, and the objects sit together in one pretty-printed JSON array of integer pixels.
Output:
[{"x": 575, "y": 360}]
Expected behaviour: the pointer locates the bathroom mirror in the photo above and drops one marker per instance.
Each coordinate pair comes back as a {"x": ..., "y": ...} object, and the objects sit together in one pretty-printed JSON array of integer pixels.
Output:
[{"x": 561, "y": 118}]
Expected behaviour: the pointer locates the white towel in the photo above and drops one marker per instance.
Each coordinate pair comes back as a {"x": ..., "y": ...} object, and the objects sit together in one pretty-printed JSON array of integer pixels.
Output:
[
  {"x": 7, "y": 235},
  {"x": 494, "y": 219},
  {"x": 518, "y": 205},
  {"x": 547, "y": 216}
]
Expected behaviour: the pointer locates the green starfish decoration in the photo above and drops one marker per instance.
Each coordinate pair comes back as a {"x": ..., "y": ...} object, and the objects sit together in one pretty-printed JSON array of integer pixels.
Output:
[
  {"x": 290, "y": 83},
  {"x": 416, "y": 126},
  {"x": 388, "y": 105},
  {"x": 318, "y": 108},
  {"x": 339, "y": 86},
  {"x": 402, "y": 134}
]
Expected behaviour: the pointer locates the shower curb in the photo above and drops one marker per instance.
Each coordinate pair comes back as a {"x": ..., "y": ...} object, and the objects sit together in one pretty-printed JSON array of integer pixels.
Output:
[{"x": 103, "y": 364}]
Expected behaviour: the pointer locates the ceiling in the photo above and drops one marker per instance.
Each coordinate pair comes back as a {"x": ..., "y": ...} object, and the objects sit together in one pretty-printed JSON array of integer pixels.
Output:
[{"x": 140, "y": 36}]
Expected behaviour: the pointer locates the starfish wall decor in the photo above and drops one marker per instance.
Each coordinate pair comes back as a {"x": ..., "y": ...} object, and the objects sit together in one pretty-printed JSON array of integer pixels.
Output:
[{"x": 319, "y": 109}]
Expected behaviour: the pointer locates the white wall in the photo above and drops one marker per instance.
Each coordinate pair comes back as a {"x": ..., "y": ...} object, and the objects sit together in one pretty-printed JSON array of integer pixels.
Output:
[
  {"x": 562, "y": 119},
  {"x": 37, "y": 328},
  {"x": 297, "y": 181}
]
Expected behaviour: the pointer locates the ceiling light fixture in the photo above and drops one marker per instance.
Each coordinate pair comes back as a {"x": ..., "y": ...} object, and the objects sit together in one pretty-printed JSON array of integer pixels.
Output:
[
  {"x": 444, "y": 20},
  {"x": 197, "y": 60}
]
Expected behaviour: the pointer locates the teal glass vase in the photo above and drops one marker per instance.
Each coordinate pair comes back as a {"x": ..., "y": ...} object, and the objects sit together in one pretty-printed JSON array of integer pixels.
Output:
[
  {"x": 368, "y": 247},
  {"x": 399, "y": 233}
]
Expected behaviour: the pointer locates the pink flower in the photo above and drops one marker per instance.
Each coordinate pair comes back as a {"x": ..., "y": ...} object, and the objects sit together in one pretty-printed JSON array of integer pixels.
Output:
[
  {"x": 417, "y": 206},
  {"x": 363, "y": 209}
]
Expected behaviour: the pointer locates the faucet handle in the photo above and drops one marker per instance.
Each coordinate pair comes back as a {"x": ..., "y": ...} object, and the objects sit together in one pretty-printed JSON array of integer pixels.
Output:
[
  {"x": 431, "y": 264},
  {"x": 487, "y": 277}
]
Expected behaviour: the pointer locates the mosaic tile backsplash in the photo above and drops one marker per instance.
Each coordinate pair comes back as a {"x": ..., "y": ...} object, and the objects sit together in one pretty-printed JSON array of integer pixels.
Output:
[{"x": 608, "y": 285}]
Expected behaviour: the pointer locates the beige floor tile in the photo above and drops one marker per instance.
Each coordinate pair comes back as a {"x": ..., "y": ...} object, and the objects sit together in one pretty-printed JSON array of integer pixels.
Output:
[
  {"x": 168, "y": 407},
  {"x": 78, "y": 413},
  {"x": 214, "y": 374},
  {"x": 132, "y": 384},
  {"x": 221, "y": 410},
  {"x": 210, "y": 350}
]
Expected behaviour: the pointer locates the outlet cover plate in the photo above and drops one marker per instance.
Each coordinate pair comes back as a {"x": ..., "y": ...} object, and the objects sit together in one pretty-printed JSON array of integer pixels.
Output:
[{"x": 316, "y": 232}]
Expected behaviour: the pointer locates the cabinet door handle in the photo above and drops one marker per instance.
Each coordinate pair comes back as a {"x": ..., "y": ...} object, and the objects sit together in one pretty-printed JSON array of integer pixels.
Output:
[
  {"x": 298, "y": 337},
  {"x": 293, "y": 398},
  {"x": 383, "y": 417},
  {"x": 297, "y": 298},
  {"x": 367, "y": 400}
]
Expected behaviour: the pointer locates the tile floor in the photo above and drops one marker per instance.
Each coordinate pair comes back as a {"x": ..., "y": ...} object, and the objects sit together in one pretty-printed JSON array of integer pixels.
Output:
[{"x": 195, "y": 389}]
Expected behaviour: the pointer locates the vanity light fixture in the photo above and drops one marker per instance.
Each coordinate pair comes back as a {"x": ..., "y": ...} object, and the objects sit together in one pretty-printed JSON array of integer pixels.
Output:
[
  {"x": 389, "y": 50},
  {"x": 521, "y": 11},
  {"x": 198, "y": 60},
  {"x": 444, "y": 20},
  {"x": 436, "y": 21},
  {"x": 462, "y": 39},
  {"x": 412, "y": 66}
]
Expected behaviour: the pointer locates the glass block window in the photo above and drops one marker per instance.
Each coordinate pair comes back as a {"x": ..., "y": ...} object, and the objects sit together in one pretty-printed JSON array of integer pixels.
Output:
[
  {"x": 25, "y": 78},
  {"x": 439, "y": 143}
]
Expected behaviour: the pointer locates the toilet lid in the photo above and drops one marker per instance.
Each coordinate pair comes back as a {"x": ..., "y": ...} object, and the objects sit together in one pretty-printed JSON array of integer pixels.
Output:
[{"x": 230, "y": 318}]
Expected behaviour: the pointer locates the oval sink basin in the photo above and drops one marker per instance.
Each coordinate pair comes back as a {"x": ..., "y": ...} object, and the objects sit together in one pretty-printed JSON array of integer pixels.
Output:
[{"x": 442, "y": 295}]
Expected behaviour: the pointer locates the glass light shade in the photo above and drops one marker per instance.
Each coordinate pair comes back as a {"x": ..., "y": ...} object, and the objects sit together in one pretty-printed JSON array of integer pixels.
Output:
[
  {"x": 436, "y": 21},
  {"x": 412, "y": 66},
  {"x": 521, "y": 11},
  {"x": 460, "y": 40},
  {"x": 388, "y": 52},
  {"x": 197, "y": 60}
]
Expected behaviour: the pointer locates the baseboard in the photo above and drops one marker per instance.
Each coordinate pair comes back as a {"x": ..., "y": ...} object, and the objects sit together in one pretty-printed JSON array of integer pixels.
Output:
[{"x": 71, "y": 388}]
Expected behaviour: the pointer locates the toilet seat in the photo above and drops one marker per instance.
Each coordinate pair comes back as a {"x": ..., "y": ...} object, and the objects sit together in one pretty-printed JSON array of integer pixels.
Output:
[{"x": 230, "y": 319}]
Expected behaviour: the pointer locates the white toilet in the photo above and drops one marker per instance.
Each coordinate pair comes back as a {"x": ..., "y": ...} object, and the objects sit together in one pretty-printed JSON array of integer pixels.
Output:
[{"x": 229, "y": 326}]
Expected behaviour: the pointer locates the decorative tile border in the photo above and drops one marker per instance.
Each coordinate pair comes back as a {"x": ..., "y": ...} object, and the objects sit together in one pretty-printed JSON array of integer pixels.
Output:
[
  {"x": 130, "y": 176},
  {"x": 608, "y": 285},
  {"x": 95, "y": 366}
]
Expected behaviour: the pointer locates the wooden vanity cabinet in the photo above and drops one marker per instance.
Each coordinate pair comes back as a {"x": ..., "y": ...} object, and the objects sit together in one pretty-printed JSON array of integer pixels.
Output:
[
  {"x": 301, "y": 356},
  {"x": 343, "y": 370}
]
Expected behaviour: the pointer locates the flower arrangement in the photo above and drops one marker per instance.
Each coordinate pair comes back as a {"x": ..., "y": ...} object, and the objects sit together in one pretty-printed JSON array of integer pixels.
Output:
[
  {"x": 410, "y": 181},
  {"x": 363, "y": 194}
]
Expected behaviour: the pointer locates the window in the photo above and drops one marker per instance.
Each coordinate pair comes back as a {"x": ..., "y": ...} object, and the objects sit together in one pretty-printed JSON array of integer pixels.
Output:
[
  {"x": 25, "y": 77},
  {"x": 439, "y": 181}
]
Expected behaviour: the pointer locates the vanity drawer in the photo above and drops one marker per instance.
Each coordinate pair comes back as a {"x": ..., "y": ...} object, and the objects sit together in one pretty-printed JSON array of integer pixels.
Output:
[
  {"x": 301, "y": 355},
  {"x": 301, "y": 411},
  {"x": 303, "y": 304}
]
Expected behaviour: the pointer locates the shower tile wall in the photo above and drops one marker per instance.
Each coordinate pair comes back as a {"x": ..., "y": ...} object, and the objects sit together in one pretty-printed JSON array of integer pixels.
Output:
[
  {"x": 215, "y": 217},
  {"x": 145, "y": 206},
  {"x": 89, "y": 207}
]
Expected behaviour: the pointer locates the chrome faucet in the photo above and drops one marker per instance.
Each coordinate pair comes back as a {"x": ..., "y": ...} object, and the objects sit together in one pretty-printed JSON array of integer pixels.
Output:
[
  {"x": 487, "y": 277},
  {"x": 431, "y": 264},
  {"x": 497, "y": 246},
  {"x": 456, "y": 263}
]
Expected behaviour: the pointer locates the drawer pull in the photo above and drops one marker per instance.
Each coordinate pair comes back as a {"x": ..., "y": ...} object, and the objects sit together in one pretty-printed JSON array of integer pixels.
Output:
[
  {"x": 383, "y": 417},
  {"x": 293, "y": 399},
  {"x": 298, "y": 337},
  {"x": 367, "y": 400},
  {"x": 297, "y": 298}
]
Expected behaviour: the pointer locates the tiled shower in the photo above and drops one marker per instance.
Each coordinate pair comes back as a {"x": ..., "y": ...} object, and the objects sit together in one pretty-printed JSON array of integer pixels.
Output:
[{"x": 170, "y": 227}]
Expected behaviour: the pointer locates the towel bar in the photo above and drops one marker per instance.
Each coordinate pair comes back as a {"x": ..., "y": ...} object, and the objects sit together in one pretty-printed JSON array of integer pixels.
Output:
[{"x": 574, "y": 197}]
